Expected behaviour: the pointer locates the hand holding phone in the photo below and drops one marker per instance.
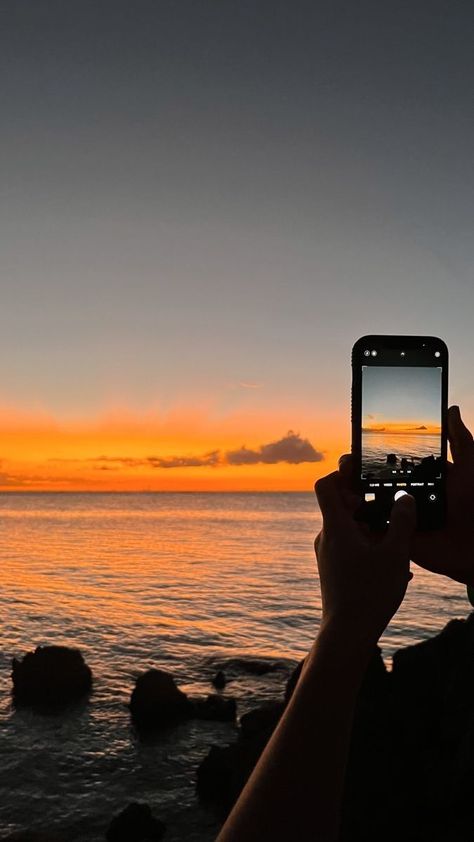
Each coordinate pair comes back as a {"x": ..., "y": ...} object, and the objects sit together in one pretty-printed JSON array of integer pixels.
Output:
[
  {"x": 450, "y": 550},
  {"x": 399, "y": 426}
]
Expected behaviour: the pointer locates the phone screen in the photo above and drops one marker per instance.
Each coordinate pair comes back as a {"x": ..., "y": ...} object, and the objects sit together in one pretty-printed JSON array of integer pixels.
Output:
[{"x": 400, "y": 436}]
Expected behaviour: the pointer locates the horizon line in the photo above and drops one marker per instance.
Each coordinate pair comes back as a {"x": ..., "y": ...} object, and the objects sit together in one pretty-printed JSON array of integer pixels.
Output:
[{"x": 157, "y": 491}]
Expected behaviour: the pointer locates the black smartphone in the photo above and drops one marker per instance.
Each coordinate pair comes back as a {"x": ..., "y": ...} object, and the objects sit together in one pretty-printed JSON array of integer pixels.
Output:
[{"x": 399, "y": 426}]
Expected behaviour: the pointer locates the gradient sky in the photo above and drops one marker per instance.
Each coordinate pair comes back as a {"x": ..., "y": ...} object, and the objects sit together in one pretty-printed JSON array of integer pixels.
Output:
[
  {"x": 400, "y": 395},
  {"x": 203, "y": 204}
]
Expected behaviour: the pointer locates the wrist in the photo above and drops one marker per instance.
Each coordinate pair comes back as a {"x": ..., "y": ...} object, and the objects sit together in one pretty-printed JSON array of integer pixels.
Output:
[{"x": 350, "y": 644}]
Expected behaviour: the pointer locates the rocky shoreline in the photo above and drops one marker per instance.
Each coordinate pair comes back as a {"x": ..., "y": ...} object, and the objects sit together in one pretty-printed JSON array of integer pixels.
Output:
[{"x": 411, "y": 768}]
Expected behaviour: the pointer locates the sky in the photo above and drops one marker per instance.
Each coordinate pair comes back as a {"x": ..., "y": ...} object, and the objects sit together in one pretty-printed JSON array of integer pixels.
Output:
[
  {"x": 203, "y": 205},
  {"x": 401, "y": 399}
]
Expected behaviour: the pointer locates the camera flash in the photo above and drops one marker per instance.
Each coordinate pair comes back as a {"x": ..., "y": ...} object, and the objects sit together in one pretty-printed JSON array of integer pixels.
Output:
[
  {"x": 437, "y": 353},
  {"x": 374, "y": 353},
  {"x": 402, "y": 353}
]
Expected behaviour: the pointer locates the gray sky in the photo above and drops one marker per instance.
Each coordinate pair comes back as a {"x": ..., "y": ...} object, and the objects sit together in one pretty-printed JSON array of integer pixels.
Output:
[
  {"x": 200, "y": 194},
  {"x": 398, "y": 394}
]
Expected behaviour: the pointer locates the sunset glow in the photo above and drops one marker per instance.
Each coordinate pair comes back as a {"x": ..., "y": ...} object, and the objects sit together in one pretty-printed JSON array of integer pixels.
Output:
[
  {"x": 180, "y": 451},
  {"x": 403, "y": 427}
]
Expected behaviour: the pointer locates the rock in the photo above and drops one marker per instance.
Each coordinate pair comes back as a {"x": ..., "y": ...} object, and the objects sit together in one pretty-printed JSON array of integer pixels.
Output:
[
  {"x": 215, "y": 707},
  {"x": 219, "y": 681},
  {"x": 135, "y": 824},
  {"x": 261, "y": 721},
  {"x": 223, "y": 773},
  {"x": 50, "y": 677},
  {"x": 156, "y": 701},
  {"x": 433, "y": 683}
]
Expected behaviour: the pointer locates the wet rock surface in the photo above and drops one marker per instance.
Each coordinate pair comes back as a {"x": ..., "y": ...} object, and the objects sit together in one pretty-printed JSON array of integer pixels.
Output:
[
  {"x": 135, "y": 823},
  {"x": 50, "y": 678},
  {"x": 157, "y": 702}
]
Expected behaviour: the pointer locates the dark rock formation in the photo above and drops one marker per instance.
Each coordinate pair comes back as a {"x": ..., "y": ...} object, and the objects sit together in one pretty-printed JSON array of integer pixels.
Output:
[
  {"x": 215, "y": 707},
  {"x": 135, "y": 824},
  {"x": 410, "y": 774},
  {"x": 219, "y": 681},
  {"x": 224, "y": 771},
  {"x": 156, "y": 700},
  {"x": 50, "y": 677},
  {"x": 261, "y": 721}
]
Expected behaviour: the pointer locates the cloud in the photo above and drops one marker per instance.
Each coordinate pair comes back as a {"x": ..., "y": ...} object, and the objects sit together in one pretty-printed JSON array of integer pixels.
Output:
[
  {"x": 247, "y": 385},
  {"x": 104, "y": 463},
  {"x": 8, "y": 480},
  {"x": 291, "y": 449},
  {"x": 210, "y": 459}
]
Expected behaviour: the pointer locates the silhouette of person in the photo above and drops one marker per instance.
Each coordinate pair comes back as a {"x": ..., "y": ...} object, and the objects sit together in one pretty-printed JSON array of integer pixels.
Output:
[{"x": 295, "y": 790}]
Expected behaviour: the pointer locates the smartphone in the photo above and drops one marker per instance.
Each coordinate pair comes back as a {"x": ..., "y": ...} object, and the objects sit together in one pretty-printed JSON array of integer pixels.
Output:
[{"x": 399, "y": 426}]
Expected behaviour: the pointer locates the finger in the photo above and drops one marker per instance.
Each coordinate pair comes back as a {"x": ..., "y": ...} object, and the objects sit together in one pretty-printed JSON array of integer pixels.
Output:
[
  {"x": 331, "y": 503},
  {"x": 460, "y": 438},
  {"x": 402, "y": 522},
  {"x": 351, "y": 501},
  {"x": 346, "y": 470}
]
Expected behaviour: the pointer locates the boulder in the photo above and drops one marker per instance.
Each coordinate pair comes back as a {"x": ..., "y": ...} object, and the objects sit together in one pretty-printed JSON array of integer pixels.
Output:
[
  {"x": 223, "y": 773},
  {"x": 261, "y": 721},
  {"x": 214, "y": 707},
  {"x": 135, "y": 823},
  {"x": 50, "y": 677},
  {"x": 433, "y": 684},
  {"x": 156, "y": 701}
]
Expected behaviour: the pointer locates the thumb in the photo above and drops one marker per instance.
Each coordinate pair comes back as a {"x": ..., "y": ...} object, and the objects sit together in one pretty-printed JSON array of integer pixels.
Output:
[{"x": 402, "y": 521}]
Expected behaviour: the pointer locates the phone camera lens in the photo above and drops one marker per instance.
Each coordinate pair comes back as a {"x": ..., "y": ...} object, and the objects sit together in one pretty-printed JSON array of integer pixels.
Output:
[
  {"x": 366, "y": 353},
  {"x": 402, "y": 353}
]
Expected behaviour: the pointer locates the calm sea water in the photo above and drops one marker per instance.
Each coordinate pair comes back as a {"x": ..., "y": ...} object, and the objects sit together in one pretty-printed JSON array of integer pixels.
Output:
[
  {"x": 376, "y": 446},
  {"x": 185, "y": 582}
]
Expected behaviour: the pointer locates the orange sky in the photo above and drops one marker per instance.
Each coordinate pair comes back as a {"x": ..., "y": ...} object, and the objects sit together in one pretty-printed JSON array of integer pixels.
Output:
[
  {"x": 414, "y": 427},
  {"x": 123, "y": 451}
]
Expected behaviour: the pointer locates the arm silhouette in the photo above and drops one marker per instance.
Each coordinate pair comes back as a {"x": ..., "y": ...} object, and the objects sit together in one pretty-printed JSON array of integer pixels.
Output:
[{"x": 295, "y": 790}]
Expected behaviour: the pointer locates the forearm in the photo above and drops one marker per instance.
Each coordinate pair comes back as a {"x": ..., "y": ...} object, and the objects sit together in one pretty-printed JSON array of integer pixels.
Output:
[{"x": 295, "y": 790}]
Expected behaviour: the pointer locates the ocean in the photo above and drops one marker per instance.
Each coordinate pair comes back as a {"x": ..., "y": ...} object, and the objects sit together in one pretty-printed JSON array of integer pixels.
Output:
[
  {"x": 376, "y": 447},
  {"x": 184, "y": 582}
]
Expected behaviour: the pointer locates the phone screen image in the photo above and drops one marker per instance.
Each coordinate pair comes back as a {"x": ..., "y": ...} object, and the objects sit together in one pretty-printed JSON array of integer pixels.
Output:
[{"x": 399, "y": 425}]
